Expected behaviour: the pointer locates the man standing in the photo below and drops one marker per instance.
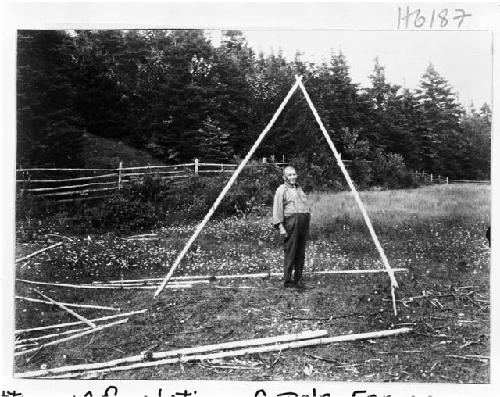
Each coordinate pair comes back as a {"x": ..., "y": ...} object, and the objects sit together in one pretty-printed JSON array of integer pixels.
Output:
[{"x": 291, "y": 214}]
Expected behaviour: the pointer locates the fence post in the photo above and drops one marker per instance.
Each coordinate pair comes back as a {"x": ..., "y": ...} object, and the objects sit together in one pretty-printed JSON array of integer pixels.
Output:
[
  {"x": 431, "y": 178},
  {"x": 446, "y": 180},
  {"x": 120, "y": 166},
  {"x": 196, "y": 165},
  {"x": 23, "y": 183}
]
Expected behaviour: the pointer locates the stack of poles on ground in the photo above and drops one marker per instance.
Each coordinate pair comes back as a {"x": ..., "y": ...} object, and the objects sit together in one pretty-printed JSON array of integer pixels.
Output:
[
  {"x": 24, "y": 346},
  {"x": 30, "y": 345},
  {"x": 208, "y": 352},
  {"x": 190, "y": 354}
]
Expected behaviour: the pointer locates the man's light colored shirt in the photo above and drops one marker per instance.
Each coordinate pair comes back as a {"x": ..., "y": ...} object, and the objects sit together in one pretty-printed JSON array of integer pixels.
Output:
[{"x": 289, "y": 200}]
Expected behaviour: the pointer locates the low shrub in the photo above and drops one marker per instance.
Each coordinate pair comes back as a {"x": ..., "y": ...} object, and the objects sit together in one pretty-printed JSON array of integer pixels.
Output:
[
  {"x": 254, "y": 188},
  {"x": 389, "y": 171}
]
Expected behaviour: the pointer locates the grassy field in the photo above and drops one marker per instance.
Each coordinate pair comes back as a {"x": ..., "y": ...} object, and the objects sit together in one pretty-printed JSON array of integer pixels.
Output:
[{"x": 436, "y": 232}]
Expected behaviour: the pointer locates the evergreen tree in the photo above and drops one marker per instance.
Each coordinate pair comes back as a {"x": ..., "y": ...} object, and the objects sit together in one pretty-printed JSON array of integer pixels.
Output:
[
  {"x": 379, "y": 119},
  {"x": 271, "y": 79},
  {"x": 100, "y": 83},
  {"x": 49, "y": 131},
  {"x": 341, "y": 96},
  {"x": 477, "y": 132},
  {"x": 176, "y": 91},
  {"x": 231, "y": 73},
  {"x": 441, "y": 140},
  {"x": 213, "y": 142},
  {"x": 390, "y": 117}
]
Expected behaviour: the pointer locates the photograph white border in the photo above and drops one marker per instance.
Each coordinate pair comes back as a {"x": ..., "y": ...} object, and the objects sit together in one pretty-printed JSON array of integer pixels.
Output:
[{"x": 208, "y": 15}]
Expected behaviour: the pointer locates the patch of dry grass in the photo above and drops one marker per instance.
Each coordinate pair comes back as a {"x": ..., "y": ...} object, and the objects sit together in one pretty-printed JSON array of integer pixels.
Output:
[{"x": 420, "y": 205}]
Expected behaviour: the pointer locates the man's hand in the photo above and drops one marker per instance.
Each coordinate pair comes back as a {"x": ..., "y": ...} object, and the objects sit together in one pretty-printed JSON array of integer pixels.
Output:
[{"x": 283, "y": 231}]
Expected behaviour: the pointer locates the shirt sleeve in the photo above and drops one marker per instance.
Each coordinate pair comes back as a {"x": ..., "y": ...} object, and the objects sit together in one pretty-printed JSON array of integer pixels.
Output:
[
  {"x": 278, "y": 215},
  {"x": 305, "y": 199}
]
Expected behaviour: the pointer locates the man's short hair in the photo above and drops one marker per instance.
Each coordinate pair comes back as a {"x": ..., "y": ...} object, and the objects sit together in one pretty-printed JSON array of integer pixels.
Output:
[{"x": 288, "y": 167}]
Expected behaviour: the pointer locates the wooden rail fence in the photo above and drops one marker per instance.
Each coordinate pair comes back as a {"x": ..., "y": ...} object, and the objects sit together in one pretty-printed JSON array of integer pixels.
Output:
[
  {"x": 73, "y": 184},
  {"x": 441, "y": 180},
  {"x": 70, "y": 184},
  {"x": 431, "y": 178}
]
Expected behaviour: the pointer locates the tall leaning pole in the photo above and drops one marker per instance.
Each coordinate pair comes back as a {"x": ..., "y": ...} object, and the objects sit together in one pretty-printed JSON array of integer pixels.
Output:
[
  {"x": 242, "y": 165},
  {"x": 390, "y": 272}
]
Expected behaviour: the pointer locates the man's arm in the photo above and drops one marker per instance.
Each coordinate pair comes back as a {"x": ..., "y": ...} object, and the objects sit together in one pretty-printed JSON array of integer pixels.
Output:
[{"x": 278, "y": 214}]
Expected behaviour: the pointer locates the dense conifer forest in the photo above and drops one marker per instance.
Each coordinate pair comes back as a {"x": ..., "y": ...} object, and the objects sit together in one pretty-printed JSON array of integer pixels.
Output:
[{"x": 176, "y": 95}]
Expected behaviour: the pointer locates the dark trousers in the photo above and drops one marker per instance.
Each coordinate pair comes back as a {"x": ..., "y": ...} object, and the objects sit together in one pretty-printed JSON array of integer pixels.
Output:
[{"x": 297, "y": 228}]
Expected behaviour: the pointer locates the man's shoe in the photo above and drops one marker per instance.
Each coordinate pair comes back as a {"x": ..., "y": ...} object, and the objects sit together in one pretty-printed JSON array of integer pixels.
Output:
[{"x": 289, "y": 284}]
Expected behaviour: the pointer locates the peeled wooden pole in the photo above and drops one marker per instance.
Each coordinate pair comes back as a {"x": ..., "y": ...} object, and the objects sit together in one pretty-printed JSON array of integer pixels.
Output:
[
  {"x": 254, "y": 350},
  {"x": 20, "y": 342},
  {"x": 64, "y": 325},
  {"x": 38, "y": 252},
  {"x": 25, "y": 346},
  {"x": 394, "y": 283},
  {"x": 181, "y": 352},
  {"x": 66, "y": 309},
  {"x": 226, "y": 189},
  {"x": 196, "y": 279},
  {"x": 186, "y": 284},
  {"x": 67, "y": 304},
  {"x": 56, "y": 342}
]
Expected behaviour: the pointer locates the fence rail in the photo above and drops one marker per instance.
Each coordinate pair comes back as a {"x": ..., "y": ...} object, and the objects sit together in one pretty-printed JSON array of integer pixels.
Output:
[{"x": 485, "y": 182}]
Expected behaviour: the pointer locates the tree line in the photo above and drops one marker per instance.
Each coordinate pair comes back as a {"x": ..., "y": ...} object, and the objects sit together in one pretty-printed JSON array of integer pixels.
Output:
[{"x": 177, "y": 95}]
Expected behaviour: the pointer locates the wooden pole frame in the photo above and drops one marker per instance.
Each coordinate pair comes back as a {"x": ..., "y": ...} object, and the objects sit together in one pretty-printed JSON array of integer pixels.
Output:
[{"x": 298, "y": 84}]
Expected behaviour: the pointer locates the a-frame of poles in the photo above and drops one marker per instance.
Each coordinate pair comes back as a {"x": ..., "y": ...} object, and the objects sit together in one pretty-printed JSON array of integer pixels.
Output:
[{"x": 298, "y": 84}]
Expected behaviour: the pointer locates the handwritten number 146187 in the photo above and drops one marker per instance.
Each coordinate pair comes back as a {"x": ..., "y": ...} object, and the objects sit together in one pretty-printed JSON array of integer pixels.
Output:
[{"x": 444, "y": 18}]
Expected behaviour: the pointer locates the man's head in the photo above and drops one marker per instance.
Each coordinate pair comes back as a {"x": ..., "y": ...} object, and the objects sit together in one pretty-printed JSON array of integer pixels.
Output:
[{"x": 289, "y": 175}]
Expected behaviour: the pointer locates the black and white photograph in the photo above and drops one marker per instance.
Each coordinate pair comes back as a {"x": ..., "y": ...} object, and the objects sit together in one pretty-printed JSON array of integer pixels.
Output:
[{"x": 235, "y": 202}]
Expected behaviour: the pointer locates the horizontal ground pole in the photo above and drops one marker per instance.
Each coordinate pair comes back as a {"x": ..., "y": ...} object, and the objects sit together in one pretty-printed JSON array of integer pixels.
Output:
[
  {"x": 188, "y": 281},
  {"x": 248, "y": 275},
  {"x": 174, "y": 285}
]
